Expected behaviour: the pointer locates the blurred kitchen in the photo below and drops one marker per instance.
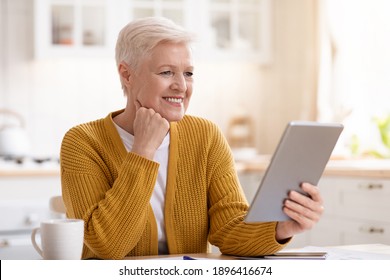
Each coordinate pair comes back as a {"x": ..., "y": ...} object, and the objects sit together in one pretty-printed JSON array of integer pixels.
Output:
[{"x": 259, "y": 64}]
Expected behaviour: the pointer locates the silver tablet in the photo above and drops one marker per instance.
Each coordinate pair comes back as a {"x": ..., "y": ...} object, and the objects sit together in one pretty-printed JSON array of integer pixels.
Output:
[{"x": 301, "y": 156}]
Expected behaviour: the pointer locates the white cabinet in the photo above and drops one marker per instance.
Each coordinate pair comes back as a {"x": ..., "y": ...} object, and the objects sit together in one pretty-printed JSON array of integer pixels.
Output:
[
  {"x": 24, "y": 203},
  {"x": 356, "y": 211},
  {"x": 225, "y": 29},
  {"x": 72, "y": 27},
  {"x": 24, "y": 200},
  {"x": 237, "y": 29},
  {"x": 250, "y": 182}
]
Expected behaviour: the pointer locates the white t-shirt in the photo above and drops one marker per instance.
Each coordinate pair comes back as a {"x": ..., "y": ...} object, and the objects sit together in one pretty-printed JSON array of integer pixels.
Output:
[{"x": 158, "y": 197}]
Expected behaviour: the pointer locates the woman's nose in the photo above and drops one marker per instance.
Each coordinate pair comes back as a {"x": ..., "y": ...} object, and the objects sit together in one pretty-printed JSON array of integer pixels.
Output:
[{"x": 179, "y": 83}]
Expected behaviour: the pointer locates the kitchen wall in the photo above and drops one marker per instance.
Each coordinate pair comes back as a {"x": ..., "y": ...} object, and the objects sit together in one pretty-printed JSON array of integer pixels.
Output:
[
  {"x": 53, "y": 95},
  {"x": 289, "y": 84}
]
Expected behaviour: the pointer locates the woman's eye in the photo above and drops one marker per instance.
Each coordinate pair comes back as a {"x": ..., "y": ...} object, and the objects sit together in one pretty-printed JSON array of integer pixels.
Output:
[
  {"x": 188, "y": 74},
  {"x": 166, "y": 73}
]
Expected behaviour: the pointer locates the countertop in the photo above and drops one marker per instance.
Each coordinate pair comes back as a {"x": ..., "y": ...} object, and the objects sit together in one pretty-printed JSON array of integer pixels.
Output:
[
  {"x": 367, "y": 167},
  {"x": 29, "y": 173},
  {"x": 373, "y": 168},
  {"x": 29, "y": 168}
]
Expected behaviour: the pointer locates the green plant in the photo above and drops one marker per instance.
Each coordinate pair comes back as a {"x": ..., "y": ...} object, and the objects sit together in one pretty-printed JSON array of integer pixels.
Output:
[
  {"x": 383, "y": 125},
  {"x": 354, "y": 145},
  {"x": 384, "y": 129}
]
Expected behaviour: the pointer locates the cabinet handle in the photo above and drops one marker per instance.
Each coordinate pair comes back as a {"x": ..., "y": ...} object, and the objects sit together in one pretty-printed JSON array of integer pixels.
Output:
[
  {"x": 371, "y": 230},
  {"x": 371, "y": 186}
]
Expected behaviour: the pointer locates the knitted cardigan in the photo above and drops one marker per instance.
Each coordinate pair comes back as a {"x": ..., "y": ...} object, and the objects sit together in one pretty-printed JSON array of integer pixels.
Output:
[{"x": 110, "y": 189}]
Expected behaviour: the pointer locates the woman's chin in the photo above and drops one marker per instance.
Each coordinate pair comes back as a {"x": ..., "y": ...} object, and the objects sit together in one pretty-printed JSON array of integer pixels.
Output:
[{"x": 174, "y": 116}]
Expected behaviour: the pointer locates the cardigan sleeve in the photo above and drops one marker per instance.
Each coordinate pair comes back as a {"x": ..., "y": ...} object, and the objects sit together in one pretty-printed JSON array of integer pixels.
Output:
[
  {"x": 115, "y": 210},
  {"x": 228, "y": 207}
]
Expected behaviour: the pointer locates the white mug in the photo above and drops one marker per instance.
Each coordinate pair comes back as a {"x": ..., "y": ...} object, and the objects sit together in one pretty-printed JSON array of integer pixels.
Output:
[{"x": 61, "y": 239}]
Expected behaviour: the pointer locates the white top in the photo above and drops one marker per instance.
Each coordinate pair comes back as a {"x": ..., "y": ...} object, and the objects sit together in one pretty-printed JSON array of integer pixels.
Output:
[{"x": 158, "y": 197}]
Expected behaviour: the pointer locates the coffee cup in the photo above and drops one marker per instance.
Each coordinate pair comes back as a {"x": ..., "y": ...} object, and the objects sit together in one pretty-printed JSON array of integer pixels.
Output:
[{"x": 61, "y": 239}]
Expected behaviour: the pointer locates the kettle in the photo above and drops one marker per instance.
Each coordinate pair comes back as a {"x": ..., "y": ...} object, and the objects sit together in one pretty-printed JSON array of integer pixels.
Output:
[{"x": 14, "y": 142}]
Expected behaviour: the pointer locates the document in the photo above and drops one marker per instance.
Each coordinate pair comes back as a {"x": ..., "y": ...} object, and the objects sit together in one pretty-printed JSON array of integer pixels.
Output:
[{"x": 346, "y": 254}]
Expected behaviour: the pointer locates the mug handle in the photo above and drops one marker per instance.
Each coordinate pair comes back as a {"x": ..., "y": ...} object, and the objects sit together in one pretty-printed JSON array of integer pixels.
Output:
[{"x": 34, "y": 243}]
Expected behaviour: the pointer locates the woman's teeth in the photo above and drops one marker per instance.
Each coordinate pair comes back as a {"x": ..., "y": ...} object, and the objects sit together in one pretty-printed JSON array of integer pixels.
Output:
[{"x": 174, "y": 100}]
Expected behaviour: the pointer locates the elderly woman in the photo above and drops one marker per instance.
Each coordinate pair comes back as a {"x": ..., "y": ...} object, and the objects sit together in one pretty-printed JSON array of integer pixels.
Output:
[{"x": 149, "y": 179}]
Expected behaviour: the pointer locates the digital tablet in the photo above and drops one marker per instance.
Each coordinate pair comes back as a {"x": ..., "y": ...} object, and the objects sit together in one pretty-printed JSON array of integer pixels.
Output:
[{"x": 301, "y": 156}]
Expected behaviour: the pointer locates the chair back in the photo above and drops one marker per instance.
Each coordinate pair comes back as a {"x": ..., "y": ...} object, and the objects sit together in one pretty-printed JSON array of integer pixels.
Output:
[{"x": 57, "y": 206}]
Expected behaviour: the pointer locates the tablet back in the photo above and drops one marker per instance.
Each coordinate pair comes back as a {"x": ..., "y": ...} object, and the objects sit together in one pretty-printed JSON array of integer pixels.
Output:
[{"x": 301, "y": 156}]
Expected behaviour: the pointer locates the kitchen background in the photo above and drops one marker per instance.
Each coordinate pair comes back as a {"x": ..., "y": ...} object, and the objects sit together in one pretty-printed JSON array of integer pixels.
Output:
[
  {"x": 319, "y": 60},
  {"x": 56, "y": 91},
  {"x": 259, "y": 64}
]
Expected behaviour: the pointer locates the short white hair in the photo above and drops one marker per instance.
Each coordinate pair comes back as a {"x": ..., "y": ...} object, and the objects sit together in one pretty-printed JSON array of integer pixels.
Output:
[{"x": 139, "y": 37}]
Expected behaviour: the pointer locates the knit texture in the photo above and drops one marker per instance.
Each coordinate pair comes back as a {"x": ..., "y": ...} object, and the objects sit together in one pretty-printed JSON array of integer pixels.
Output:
[{"x": 110, "y": 189}]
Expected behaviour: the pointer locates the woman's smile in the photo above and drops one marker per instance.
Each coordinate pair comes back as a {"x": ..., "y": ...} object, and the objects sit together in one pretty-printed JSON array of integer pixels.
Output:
[{"x": 174, "y": 101}]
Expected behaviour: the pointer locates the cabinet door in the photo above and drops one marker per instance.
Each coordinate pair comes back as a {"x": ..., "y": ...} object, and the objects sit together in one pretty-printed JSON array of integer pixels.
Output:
[
  {"x": 176, "y": 10},
  {"x": 70, "y": 27},
  {"x": 353, "y": 198},
  {"x": 331, "y": 231},
  {"x": 356, "y": 212},
  {"x": 250, "y": 182},
  {"x": 239, "y": 29},
  {"x": 24, "y": 200}
]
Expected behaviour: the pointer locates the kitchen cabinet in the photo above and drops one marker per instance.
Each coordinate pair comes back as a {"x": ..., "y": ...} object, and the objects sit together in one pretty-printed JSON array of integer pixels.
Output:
[
  {"x": 237, "y": 29},
  {"x": 24, "y": 200},
  {"x": 72, "y": 27},
  {"x": 24, "y": 203},
  {"x": 356, "y": 211},
  {"x": 224, "y": 29},
  {"x": 356, "y": 201}
]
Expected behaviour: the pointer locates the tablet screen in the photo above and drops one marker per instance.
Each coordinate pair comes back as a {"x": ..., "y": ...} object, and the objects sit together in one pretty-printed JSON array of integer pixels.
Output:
[{"x": 301, "y": 156}]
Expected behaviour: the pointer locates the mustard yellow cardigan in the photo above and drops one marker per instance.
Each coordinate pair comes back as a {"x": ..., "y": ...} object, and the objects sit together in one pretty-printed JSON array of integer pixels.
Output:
[{"x": 110, "y": 190}]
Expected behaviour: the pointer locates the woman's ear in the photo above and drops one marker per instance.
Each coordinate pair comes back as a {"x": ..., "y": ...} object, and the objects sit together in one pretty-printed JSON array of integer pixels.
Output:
[{"x": 124, "y": 73}]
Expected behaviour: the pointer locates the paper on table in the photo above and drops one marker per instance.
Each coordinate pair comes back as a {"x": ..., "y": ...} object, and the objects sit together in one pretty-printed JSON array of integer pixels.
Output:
[{"x": 345, "y": 254}]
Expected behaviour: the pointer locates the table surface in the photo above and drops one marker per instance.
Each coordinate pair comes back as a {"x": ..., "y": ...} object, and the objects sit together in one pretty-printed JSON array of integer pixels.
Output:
[
  {"x": 361, "y": 250},
  {"x": 368, "y": 251}
]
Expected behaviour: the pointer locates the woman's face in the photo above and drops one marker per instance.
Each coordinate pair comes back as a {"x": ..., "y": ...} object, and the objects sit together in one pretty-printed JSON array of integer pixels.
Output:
[{"x": 163, "y": 81}]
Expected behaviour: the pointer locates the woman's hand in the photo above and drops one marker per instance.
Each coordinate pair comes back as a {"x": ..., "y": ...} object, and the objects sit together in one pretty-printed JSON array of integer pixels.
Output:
[
  {"x": 150, "y": 130},
  {"x": 305, "y": 212}
]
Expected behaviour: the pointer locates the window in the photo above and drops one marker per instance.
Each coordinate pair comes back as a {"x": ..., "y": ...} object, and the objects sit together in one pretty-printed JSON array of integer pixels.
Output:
[{"x": 354, "y": 84}]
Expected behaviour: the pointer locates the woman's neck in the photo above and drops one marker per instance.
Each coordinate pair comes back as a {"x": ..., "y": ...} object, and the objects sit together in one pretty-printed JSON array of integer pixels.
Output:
[{"x": 125, "y": 120}]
